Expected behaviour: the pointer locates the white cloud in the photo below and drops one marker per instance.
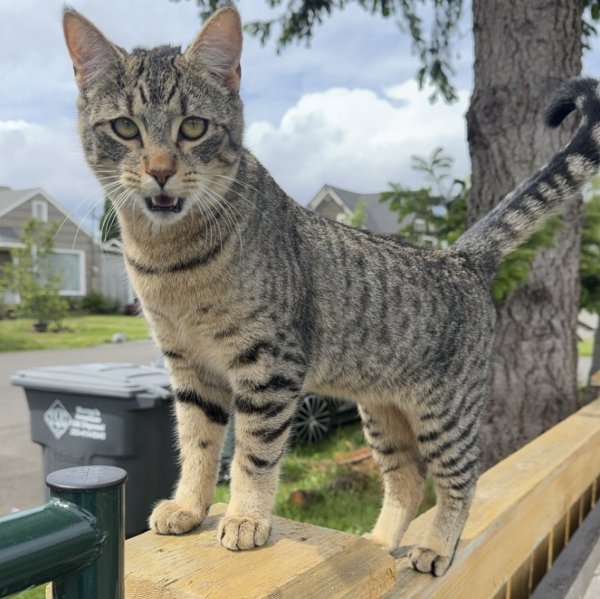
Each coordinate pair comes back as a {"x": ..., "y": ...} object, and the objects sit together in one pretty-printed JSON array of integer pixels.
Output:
[
  {"x": 357, "y": 139},
  {"x": 48, "y": 157}
]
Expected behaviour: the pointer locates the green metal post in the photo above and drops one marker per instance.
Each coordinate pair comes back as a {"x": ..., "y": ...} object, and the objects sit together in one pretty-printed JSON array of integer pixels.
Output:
[
  {"x": 100, "y": 491},
  {"x": 75, "y": 540}
]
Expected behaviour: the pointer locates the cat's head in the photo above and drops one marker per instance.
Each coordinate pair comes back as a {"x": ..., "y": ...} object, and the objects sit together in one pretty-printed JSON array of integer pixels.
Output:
[{"x": 161, "y": 128}]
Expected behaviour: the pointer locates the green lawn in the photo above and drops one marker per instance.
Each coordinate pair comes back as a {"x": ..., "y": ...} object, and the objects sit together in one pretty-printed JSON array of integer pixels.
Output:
[
  {"x": 316, "y": 488},
  {"x": 585, "y": 347},
  {"x": 36, "y": 593},
  {"x": 79, "y": 331}
]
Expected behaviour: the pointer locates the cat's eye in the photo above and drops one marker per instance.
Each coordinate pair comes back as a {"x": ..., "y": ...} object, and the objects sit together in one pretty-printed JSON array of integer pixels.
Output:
[
  {"x": 193, "y": 128},
  {"x": 125, "y": 128}
]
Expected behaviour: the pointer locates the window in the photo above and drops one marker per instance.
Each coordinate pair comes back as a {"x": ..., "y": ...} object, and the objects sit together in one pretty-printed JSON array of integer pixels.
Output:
[
  {"x": 70, "y": 265},
  {"x": 39, "y": 209}
]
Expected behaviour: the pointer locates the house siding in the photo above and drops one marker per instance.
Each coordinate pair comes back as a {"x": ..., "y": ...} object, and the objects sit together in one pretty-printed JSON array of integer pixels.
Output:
[
  {"x": 329, "y": 208},
  {"x": 69, "y": 237}
]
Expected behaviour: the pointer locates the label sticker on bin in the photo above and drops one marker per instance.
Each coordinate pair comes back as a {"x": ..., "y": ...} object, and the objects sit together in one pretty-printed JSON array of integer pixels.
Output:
[
  {"x": 86, "y": 422},
  {"x": 58, "y": 419}
]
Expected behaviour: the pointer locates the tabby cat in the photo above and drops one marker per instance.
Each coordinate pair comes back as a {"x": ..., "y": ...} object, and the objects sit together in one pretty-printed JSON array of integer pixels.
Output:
[{"x": 255, "y": 300}]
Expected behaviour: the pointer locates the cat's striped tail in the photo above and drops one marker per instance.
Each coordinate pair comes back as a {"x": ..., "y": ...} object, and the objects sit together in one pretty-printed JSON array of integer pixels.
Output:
[{"x": 526, "y": 208}]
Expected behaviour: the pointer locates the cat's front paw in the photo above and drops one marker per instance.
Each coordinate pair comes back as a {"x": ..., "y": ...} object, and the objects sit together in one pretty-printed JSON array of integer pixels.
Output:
[
  {"x": 427, "y": 560},
  {"x": 243, "y": 532},
  {"x": 169, "y": 518}
]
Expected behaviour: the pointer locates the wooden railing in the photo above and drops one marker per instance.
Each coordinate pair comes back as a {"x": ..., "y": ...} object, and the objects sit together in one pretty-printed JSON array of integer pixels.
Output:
[{"x": 526, "y": 509}]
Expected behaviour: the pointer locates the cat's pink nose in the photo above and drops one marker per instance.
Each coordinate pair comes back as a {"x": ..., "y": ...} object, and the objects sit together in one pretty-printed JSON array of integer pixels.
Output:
[{"x": 161, "y": 175}]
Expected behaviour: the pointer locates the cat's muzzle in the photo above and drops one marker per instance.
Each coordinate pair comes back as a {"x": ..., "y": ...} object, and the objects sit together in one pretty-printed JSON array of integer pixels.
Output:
[{"x": 164, "y": 203}]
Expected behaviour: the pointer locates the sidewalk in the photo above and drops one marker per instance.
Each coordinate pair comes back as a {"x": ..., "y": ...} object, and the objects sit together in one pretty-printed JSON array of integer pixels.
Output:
[{"x": 21, "y": 477}]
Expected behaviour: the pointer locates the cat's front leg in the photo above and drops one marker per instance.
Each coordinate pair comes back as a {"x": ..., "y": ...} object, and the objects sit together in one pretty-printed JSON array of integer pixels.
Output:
[
  {"x": 265, "y": 409},
  {"x": 202, "y": 413}
]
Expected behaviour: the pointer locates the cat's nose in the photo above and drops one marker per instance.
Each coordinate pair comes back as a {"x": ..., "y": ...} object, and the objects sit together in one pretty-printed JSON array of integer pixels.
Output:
[{"x": 161, "y": 175}]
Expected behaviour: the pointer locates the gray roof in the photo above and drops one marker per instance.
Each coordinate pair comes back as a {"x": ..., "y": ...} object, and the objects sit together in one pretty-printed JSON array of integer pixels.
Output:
[
  {"x": 9, "y": 196},
  {"x": 380, "y": 219}
]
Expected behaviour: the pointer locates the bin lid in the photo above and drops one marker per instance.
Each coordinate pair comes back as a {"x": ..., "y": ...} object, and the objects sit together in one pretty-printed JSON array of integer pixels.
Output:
[{"x": 112, "y": 379}]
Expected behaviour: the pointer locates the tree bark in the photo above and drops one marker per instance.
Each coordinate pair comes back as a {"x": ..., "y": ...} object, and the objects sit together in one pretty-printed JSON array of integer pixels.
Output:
[{"x": 523, "y": 50}]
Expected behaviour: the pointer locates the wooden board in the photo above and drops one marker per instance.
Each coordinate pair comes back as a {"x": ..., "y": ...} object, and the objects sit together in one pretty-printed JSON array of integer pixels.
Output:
[
  {"x": 518, "y": 502},
  {"x": 522, "y": 506},
  {"x": 299, "y": 561}
]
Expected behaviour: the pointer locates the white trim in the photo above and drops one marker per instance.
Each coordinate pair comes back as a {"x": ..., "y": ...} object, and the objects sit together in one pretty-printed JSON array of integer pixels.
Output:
[
  {"x": 52, "y": 202},
  {"x": 82, "y": 269},
  {"x": 32, "y": 193},
  {"x": 11, "y": 244},
  {"x": 39, "y": 204},
  {"x": 322, "y": 194}
]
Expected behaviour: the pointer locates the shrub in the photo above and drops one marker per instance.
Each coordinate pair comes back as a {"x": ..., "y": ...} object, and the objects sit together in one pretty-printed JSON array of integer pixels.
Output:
[{"x": 96, "y": 303}]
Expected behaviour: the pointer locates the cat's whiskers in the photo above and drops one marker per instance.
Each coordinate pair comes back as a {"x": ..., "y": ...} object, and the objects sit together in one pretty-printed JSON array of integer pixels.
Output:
[
  {"x": 197, "y": 195},
  {"x": 228, "y": 212},
  {"x": 71, "y": 214},
  {"x": 251, "y": 204},
  {"x": 208, "y": 225}
]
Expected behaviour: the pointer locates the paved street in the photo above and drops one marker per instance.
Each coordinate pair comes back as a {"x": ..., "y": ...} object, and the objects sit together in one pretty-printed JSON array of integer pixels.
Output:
[{"x": 21, "y": 478}]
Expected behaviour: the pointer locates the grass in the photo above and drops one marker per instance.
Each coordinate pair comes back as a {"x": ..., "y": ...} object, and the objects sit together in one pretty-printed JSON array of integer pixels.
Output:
[
  {"x": 317, "y": 489},
  {"x": 585, "y": 347},
  {"x": 79, "y": 331},
  {"x": 35, "y": 593}
]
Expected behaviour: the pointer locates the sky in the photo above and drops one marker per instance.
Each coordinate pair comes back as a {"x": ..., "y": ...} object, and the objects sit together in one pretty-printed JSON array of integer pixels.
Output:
[{"x": 345, "y": 111}]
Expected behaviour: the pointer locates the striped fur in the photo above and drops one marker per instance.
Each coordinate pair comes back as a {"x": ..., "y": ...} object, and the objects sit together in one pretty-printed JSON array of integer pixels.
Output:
[{"x": 255, "y": 300}]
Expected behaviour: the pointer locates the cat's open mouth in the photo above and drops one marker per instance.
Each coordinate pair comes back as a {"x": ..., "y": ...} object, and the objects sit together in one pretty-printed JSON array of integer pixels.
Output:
[{"x": 164, "y": 203}]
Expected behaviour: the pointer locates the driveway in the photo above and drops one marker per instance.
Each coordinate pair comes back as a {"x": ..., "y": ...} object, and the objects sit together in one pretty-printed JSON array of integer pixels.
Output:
[{"x": 21, "y": 477}]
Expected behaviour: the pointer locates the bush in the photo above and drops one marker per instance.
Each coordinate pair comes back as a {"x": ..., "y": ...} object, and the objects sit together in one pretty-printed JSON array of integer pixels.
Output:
[{"x": 96, "y": 303}]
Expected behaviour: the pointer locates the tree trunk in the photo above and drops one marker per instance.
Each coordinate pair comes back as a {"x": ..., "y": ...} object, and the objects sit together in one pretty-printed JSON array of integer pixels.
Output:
[{"x": 523, "y": 50}]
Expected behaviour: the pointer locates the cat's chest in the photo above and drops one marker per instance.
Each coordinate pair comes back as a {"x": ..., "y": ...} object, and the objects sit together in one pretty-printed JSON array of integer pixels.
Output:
[{"x": 195, "y": 322}]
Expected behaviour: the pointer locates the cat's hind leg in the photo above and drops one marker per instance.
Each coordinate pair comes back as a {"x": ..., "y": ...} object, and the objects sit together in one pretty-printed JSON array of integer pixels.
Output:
[
  {"x": 448, "y": 442},
  {"x": 202, "y": 410},
  {"x": 395, "y": 449}
]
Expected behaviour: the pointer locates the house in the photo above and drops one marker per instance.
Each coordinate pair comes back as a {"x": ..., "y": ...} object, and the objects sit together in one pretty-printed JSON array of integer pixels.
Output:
[
  {"x": 335, "y": 203},
  {"x": 75, "y": 252}
]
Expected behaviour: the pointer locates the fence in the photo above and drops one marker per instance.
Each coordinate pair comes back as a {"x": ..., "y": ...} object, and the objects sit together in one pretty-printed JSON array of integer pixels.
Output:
[
  {"x": 114, "y": 282},
  {"x": 76, "y": 539}
]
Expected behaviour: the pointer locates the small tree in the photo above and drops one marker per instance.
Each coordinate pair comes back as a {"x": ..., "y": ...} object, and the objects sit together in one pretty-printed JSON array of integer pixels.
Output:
[
  {"x": 448, "y": 226},
  {"x": 435, "y": 210},
  {"x": 357, "y": 217},
  {"x": 33, "y": 278}
]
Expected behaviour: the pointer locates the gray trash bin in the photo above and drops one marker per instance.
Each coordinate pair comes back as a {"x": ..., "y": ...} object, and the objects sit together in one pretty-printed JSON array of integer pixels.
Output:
[{"x": 107, "y": 414}]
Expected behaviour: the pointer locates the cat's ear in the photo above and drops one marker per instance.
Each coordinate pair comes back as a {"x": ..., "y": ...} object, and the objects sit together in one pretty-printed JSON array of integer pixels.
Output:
[
  {"x": 218, "y": 47},
  {"x": 92, "y": 54}
]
